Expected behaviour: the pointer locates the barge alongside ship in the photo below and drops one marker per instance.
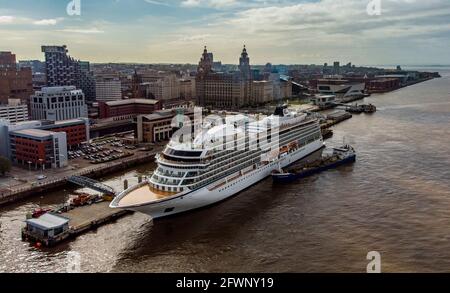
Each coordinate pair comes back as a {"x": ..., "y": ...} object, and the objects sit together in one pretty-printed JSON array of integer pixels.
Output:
[{"x": 339, "y": 156}]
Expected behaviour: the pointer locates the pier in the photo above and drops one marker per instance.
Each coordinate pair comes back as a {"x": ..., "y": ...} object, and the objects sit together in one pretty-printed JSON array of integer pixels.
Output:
[
  {"x": 80, "y": 220},
  {"x": 84, "y": 219}
]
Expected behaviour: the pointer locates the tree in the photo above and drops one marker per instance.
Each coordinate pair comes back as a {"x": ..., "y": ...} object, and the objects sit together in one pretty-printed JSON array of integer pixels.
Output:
[{"x": 5, "y": 165}]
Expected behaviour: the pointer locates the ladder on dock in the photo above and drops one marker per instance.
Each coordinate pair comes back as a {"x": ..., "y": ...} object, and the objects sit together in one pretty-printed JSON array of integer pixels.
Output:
[{"x": 92, "y": 184}]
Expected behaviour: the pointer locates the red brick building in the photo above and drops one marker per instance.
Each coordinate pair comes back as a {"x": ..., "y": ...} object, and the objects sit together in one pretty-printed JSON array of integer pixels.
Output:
[
  {"x": 383, "y": 85},
  {"x": 128, "y": 108},
  {"x": 38, "y": 148},
  {"x": 14, "y": 83},
  {"x": 77, "y": 130},
  {"x": 7, "y": 59}
]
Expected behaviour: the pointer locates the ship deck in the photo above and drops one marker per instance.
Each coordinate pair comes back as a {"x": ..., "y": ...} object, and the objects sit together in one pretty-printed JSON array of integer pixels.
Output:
[{"x": 143, "y": 195}]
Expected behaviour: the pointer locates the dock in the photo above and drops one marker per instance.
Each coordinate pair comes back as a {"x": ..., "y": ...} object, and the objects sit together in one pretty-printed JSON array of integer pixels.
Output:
[
  {"x": 75, "y": 222},
  {"x": 86, "y": 218}
]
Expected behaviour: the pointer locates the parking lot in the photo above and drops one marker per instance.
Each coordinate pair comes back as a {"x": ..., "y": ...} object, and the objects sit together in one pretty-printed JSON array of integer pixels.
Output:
[
  {"x": 98, "y": 154},
  {"x": 101, "y": 151}
]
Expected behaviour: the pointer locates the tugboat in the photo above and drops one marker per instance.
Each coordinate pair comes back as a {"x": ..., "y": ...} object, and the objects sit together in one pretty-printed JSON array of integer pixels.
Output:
[
  {"x": 358, "y": 109},
  {"x": 355, "y": 109},
  {"x": 339, "y": 156},
  {"x": 370, "y": 109},
  {"x": 327, "y": 133}
]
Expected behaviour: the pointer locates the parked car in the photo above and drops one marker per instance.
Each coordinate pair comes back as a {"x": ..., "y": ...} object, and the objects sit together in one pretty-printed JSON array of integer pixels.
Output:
[{"x": 41, "y": 177}]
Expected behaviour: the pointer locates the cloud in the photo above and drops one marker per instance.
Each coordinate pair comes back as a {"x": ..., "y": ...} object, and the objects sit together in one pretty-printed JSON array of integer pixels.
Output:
[
  {"x": 155, "y": 2},
  {"x": 88, "y": 31},
  {"x": 6, "y": 19},
  {"x": 219, "y": 4},
  {"x": 341, "y": 29},
  {"x": 51, "y": 21},
  {"x": 337, "y": 17},
  {"x": 287, "y": 31},
  {"x": 190, "y": 3}
]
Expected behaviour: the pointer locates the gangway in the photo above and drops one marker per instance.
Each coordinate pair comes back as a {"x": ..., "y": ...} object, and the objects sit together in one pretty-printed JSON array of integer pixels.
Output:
[{"x": 92, "y": 184}]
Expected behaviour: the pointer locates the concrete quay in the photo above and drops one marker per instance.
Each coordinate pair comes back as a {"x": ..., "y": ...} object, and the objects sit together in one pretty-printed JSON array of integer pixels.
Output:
[{"x": 58, "y": 178}]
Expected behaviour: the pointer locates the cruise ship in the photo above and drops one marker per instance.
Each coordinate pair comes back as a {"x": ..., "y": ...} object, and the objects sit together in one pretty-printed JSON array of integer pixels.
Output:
[{"x": 225, "y": 158}]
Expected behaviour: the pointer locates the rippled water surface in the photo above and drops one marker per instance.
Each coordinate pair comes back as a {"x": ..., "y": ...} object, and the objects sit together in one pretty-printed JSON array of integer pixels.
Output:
[{"x": 395, "y": 200}]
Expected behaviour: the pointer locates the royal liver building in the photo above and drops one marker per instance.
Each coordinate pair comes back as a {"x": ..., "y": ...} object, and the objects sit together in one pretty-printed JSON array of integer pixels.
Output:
[{"x": 224, "y": 90}]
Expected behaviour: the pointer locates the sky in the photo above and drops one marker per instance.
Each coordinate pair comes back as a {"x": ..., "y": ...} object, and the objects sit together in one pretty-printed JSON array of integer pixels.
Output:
[{"x": 406, "y": 32}]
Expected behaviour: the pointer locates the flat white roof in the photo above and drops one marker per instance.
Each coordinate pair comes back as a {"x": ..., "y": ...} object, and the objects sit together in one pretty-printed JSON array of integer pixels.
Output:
[
  {"x": 132, "y": 101},
  {"x": 48, "y": 221},
  {"x": 34, "y": 133}
]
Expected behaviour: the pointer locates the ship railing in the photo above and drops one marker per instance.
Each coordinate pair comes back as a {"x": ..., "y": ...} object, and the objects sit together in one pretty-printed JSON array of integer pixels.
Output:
[
  {"x": 169, "y": 175},
  {"x": 163, "y": 160}
]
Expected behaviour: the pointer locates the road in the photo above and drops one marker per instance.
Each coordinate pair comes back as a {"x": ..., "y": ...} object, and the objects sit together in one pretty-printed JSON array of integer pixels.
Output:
[{"x": 21, "y": 179}]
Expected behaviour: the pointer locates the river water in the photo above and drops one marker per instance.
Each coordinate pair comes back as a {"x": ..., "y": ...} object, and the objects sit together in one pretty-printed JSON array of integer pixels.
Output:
[{"x": 394, "y": 200}]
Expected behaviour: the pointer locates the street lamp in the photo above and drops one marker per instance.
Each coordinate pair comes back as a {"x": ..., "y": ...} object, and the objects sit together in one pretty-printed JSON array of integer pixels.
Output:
[{"x": 42, "y": 165}]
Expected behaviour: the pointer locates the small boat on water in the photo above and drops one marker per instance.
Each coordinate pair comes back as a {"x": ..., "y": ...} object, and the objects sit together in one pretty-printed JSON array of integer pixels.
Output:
[
  {"x": 358, "y": 109},
  {"x": 327, "y": 133},
  {"x": 339, "y": 156}
]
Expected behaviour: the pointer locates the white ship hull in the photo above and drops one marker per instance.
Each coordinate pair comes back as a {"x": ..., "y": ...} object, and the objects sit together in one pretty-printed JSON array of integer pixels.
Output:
[{"x": 213, "y": 193}]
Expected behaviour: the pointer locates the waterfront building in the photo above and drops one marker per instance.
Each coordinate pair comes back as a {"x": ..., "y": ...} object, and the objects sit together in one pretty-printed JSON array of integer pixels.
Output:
[
  {"x": 158, "y": 126},
  {"x": 403, "y": 78},
  {"x": 161, "y": 86},
  {"x": 165, "y": 89},
  {"x": 262, "y": 92},
  {"x": 15, "y": 83},
  {"x": 187, "y": 89},
  {"x": 39, "y": 148},
  {"x": 128, "y": 108},
  {"x": 286, "y": 89},
  {"x": 47, "y": 228},
  {"x": 383, "y": 85},
  {"x": 75, "y": 132},
  {"x": 108, "y": 87},
  {"x": 275, "y": 77},
  {"x": 324, "y": 101},
  {"x": 223, "y": 90},
  {"x": 58, "y": 103},
  {"x": 63, "y": 70},
  {"x": 87, "y": 81},
  {"x": 13, "y": 112},
  {"x": 341, "y": 88},
  {"x": 6, "y": 127}
]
